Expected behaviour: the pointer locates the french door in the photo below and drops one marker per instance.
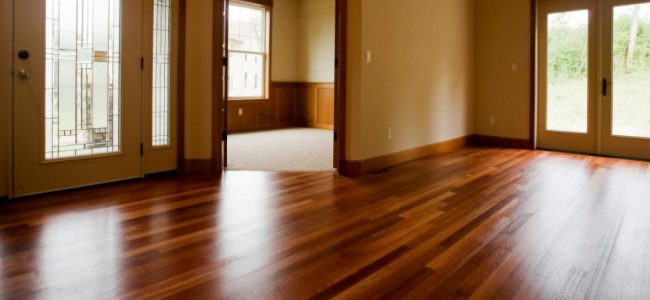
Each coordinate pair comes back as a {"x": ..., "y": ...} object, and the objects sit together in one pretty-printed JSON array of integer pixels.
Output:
[
  {"x": 82, "y": 69},
  {"x": 626, "y": 69},
  {"x": 594, "y": 69}
]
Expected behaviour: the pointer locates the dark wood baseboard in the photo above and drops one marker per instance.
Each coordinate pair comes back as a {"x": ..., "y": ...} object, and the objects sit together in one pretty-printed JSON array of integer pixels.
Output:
[
  {"x": 501, "y": 142},
  {"x": 261, "y": 128},
  {"x": 319, "y": 126},
  {"x": 195, "y": 166},
  {"x": 375, "y": 164}
]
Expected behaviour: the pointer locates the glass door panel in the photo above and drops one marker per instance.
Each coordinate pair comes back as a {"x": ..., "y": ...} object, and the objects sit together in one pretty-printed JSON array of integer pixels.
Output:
[
  {"x": 568, "y": 69},
  {"x": 161, "y": 74},
  {"x": 625, "y": 98},
  {"x": 82, "y": 75},
  {"x": 160, "y": 25},
  {"x": 631, "y": 71},
  {"x": 566, "y": 75}
]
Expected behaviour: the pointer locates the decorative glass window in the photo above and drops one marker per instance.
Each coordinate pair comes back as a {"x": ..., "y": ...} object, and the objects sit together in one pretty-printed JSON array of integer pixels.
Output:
[
  {"x": 82, "y": 78},
  {"x": 161, "y": 79},
  {"x": 247, "y": 51}
]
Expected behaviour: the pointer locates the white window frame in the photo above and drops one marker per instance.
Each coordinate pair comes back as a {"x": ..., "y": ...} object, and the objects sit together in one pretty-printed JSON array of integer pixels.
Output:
[{"x": 265, "y": 54}]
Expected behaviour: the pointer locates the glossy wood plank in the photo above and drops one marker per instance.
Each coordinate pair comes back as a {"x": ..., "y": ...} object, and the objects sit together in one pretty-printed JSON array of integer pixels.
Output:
[{"x": 477, "y": 223}]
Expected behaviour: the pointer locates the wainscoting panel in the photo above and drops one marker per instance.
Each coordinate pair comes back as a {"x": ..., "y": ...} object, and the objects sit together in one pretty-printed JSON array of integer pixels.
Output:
[{"x": 289, "y": 104}]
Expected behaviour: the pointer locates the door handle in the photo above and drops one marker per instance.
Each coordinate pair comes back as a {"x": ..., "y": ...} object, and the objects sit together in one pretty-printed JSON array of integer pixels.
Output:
[
  {"x": 23, "y": 74},
  {"x": 604, "y": 87}
]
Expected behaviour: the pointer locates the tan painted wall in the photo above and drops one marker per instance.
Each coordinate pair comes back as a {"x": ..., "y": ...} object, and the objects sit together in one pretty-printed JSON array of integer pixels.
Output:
[
  {"x": 353, "y": 143},
  {"x": 420, "y": 81},
  {"x": 316, "y": 43},
  {"x": 502, "y": 39},
  {"x": 302, "y": 44},
  {"x": 5, "y": 94},
  {"x": 284, "y": 40},
  {"x": 198, "y": 80}
]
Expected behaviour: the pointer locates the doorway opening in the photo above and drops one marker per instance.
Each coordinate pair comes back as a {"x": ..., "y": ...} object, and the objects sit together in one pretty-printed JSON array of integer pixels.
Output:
[
  {"x": 593, "y": 65},
  {"x": 280, "y": 85}
]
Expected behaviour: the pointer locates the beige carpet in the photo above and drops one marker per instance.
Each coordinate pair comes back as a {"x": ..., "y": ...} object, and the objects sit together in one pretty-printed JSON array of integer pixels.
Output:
[{"x": 291, "y": 149}]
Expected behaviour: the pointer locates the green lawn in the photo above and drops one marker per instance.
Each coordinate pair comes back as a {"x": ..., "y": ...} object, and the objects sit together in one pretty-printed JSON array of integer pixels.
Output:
[{"x": 567, "y": 108}]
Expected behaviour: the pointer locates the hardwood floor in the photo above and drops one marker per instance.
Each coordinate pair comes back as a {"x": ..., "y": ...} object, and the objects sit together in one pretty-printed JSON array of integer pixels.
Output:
[{"x": 477, "y": 223}]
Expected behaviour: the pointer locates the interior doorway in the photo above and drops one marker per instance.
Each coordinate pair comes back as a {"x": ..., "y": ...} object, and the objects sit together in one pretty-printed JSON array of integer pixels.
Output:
[
  {"x": 593, "y": 74},
  {"x": 280, "y": 85}
]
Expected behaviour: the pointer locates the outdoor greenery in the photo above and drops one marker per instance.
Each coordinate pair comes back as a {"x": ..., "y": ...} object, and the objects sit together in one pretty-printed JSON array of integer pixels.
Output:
[
  {"x": 567, "y": 47},
  {"x": 568, "y": 67}
]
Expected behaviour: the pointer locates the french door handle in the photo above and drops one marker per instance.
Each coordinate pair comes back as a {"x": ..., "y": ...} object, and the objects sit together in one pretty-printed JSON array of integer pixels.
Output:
[
  {"x": 23, "y": 74},
  {"x": 604, "y": 87}
]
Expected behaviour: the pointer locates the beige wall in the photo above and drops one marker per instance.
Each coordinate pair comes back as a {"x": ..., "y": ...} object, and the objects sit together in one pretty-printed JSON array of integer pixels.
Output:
[
  {"x": 502, "y": 39},
  {"x": 5, "y": 92},
  {"x": 302, "y": 44},
  {"x": 353, "y": 143},
  {"x": 420, "y": 81},
  {"x": 198, "y": 79},
  {"x": 284, "y": 41},
  {"x": 316, "y": 42}
]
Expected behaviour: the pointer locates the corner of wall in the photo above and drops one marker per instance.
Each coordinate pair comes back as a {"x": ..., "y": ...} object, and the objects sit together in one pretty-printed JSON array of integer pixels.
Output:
[{"x": 502, "y": 68}]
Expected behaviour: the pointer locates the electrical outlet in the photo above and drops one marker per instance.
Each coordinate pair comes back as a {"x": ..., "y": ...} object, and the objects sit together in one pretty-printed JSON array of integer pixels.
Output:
[
  {"x": 241, "y": 111},
  {"x": 493, "y": 120},
  {"x": 390, "y": 133}
]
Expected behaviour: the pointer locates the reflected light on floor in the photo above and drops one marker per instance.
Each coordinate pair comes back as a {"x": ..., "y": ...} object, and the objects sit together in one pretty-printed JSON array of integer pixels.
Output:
[
  {"x": 80, "y": 254},
  {"x": 247, "y": 215}
]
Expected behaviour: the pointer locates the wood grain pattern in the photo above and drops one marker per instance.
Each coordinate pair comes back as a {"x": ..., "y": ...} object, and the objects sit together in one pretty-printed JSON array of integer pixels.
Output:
[
  {"x": 279, "y": 110},
  {"x": 375, "y": 164},
  {"x": 196, "y": 166},
  {"x": 477, "y": 223},
  {"x": 289, "y": 104},
  {"x": 316, "y": 105}
]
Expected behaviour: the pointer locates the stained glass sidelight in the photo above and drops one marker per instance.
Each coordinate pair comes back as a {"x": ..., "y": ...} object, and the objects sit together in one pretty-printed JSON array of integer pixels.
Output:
[
  {"x": 82, "y": 78},
  {"x": 161, "y": 73}
]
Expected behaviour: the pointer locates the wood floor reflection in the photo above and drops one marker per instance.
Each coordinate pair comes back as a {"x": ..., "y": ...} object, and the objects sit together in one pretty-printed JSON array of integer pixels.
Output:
[{"x": 478, "y": 223}]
